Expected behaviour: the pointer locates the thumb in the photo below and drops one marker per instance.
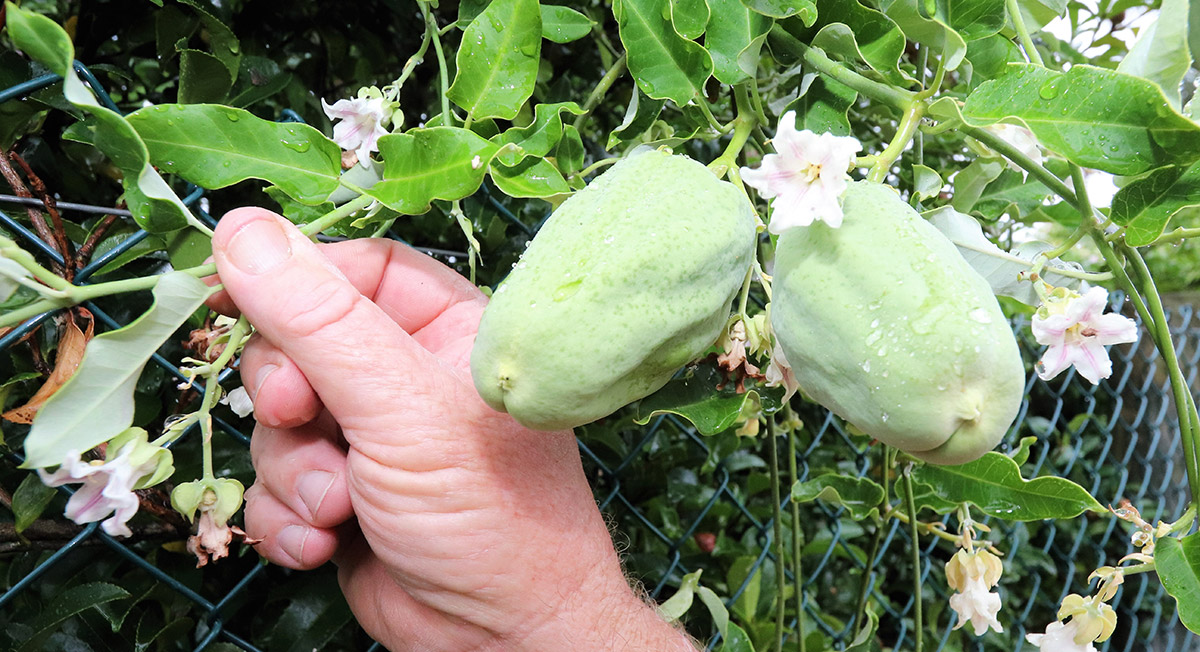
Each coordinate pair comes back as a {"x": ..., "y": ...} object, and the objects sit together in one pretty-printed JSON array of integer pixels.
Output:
[{"x": 358, "y": 360}]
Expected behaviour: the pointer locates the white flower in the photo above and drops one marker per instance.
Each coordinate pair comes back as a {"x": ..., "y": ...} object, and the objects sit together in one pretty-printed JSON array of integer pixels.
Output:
[
  {"x": 1076, "y": 332},
  {"x": 806, "y": 177},
  {"x": 239, "y": 401},
  {"x": 107, "y": 488},
  {"x": 779, "y": 372},
  {"x": 362, "y": 120},
  {"x": 977, "y": 605},
  {"x": 1060, "y": 638},
  {"x": 1022, "y": 139}
]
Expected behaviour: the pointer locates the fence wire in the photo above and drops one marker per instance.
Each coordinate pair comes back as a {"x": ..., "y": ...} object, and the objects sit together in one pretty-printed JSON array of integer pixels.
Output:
[{"x": 1119, "y": 440}]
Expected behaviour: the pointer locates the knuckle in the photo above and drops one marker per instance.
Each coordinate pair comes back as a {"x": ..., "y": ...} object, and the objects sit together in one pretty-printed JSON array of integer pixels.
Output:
[{"x": 325, "y": 305}]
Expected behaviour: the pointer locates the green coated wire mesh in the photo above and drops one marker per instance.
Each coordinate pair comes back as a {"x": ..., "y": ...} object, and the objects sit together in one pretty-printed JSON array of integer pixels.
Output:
[{"x": 711, "y": 511}]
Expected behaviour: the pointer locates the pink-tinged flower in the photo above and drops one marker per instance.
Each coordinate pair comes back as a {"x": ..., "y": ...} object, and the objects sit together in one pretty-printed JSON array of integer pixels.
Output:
[
  {"x": 107, "y": 489},
  {"x": 1060, "y": 638},
  {"x": 779, "y": 372},
  {"x": 1076, "y": 330},
  {"x": 805, "y": 177},
  {"x": 362, "y": 123}
]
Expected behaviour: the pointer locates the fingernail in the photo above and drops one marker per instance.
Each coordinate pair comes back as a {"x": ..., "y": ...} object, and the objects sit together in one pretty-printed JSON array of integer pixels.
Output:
[
  {"x": 291, "y": 540},
  {"x": 261, "y": 377},
  {"x": 259, "y": 247},
  {"x": 312, "y": 486}
]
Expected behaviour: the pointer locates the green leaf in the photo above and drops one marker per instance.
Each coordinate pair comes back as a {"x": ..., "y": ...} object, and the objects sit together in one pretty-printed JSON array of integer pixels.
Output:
[
  {"x": 217, "y": 146},
  {"x": 690, "y": 17},
  {"x": 316, "y": 612},
  {"x": 664, "y": 64},
  {"x": 994, "y": 484},
  {"x": 1145, "y": 206},
  {"x": 1096, "y": 118},
  {"x": 989, "y": 57},
  {"x": 29, "y": 501},
  {"x": 154, "y": 205},
  {"x": 1010, "y": 192},
  {"x": 568, "y": 155},
  {"x": 805, "y": 10},
  {"x": 202, "y": 78},
  {"x": 223, "y": 44},
  {"x": 860, "y": 496},
  {"x": 1178, "y": 564},
  {"x": 96, "y": 403},
  {"x": 734, "y": 38},
  {"x": 736, "y": 640},
  {"x": 1161, "y": 51},
  {"x": 926, "y": 182},
  {"x": 925, "y": 498},
  {"x": 931, "y": 31},
  {"x": 498, "y": 60},
  {"x": 1021, "y": 454},
  {"x": 539, "y": 137},
  {"x": 422, "y": 165},
  {"x": 639, "y": 116},
  {"x": 563, "y": 24},
  {"x": 674, "y": 607},
  {"x": 696, "y": 398},
  {"x": 865, "y": 638},
  {"x": 69, "y": 603},
  {"x": 852, "y": 32},
  {"x": 533, "y": 177},
  {"x": 822, "y": 105}
]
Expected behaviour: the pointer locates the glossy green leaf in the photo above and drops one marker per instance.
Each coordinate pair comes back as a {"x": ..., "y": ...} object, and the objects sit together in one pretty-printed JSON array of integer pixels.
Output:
[
  {"x": 994, "y": 484},
  {"x": 861, "y": 497},
  {"x": 1009, "y": 192},
  {"x": 822, "y": 105},
  {"x": 1145, "y": 206},
  {"x": 847, "y": 30},
  {"x": 690, "y": 17},
  {"x": 695, "y": 397},
  {"x": 217, "y": 146},
  {"x": 1039, "y": 12},
  {"x": 202, "y": 78},
  {"x": 563, "y": 24},
  {"x": 67, "y": 603},
  {"x": 1178, "y": 564},
  {"x": 1021, "y": 454},
  {"x": 805, "y": 10},
  {"x": 736, "y": 640},
  {"x": 468, "y": 10},
  {"x": 422, "y": 165},
  {"x": 664, "y": 64},
  {"x": 927, "y": 182},
  {"x": 498, "y": 59},
  {"x": 639, "y": 116},
  {"x": 864, "y": 640},
  {"x": 533, "y": 177},
  {"x": 1160, "y": 53},
  {"x": 734, "y": 38},
  {"x": 153, "y": 204},
  {"x": 29, "y": 501},
  {"x": 568, "y": 154},
  {"x": 539, "y": 137},
  {"x": 674, "y": 607},
  {"x": 931, "y": 31},
  {"x": 925, "y": 498},
  {"x": 96, "y": 404},
  {"x": 1094, "y": 117},
  {"x": 988, "y": 58},
  {"x": 222, "y": 42}
]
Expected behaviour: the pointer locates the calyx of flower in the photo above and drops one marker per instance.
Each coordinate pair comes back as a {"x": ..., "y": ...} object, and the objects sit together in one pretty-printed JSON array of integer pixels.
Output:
[{"x": 221, "y": 497}]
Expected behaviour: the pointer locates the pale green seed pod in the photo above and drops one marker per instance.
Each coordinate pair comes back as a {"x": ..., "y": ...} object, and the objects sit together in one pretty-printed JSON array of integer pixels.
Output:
[
  {"x": 885, "y": 324},
  {"x": 629, "y": 280}
]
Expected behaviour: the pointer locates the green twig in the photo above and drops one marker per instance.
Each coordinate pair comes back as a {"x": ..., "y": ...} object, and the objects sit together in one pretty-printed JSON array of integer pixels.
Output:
[
  {"x": 797, "y": 538},
  {"x": 1014, "y": 12},
  {"x": 212, "y": 389},
  {"x": 911, "y": 506},
  {"x": 443, "y": 76},
  {"x": 611, "y": 75},
  {"x": 820, "y": 62},
  {"x": 1177, "y": 235},
  {"x": 864, "y": 587},
  {"x": 777, "y": 513},
  {"x": 904, "y": 135}
]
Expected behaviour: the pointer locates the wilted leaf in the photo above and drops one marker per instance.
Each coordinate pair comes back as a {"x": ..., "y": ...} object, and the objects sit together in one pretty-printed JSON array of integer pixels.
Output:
[{"x": 71, "y": 345}]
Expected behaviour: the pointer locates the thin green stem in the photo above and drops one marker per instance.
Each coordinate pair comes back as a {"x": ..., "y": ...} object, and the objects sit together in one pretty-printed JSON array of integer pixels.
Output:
[
  {"x": 1177, "y": 235},
  {"x": 712, "y": 119},
  {"x": 416, "y": 58},
  {"x": 468, "y": 230},
  {"x": 604, "y": 162},
  {"x": 1184, "y": 406},
  {"x": 797, "y": 540},
  {"x": 777, "y": 513},
  {"x": 1010, "y": 152},
  {"x": 1085, "y": 227},
  {"x": 911, "y": 506},
  {"x": 1014, "y": 12},
  {"x": 610, "y": 76},
  {"x": 864, "y": 587},
  {"x": 212, "y": 389},
  {"x": 744, "y": 297},
  {"x": 819, "y": 61},
  {"x": 927, "y": 528},
  {"x": 12, "y": 251},
  {"x": 443, "y": 76},
  {"x": 904, "y": 135},
  {"x": 313, "y": 228}
]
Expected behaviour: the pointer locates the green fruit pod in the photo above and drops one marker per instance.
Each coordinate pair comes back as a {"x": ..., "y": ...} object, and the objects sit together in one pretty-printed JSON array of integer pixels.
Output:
[
  {"x": 629, "y": 280},
  {"x": 885, "y": 324}
]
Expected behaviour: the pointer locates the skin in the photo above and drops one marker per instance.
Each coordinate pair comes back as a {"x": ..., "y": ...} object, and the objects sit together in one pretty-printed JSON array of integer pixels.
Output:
[{"x": 452, "y": 526}]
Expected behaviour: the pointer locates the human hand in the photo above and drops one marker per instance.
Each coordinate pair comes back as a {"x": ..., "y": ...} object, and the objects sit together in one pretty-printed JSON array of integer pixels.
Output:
[{"x": 453, "y": 527}]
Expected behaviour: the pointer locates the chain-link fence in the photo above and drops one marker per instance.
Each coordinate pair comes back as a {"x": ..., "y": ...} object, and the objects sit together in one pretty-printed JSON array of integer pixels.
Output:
[{"x": 711, "y": 510}]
